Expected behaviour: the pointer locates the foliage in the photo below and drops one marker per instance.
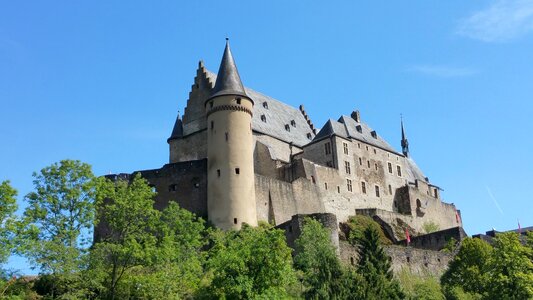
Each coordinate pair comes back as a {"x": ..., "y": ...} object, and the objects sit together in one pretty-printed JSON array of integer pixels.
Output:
[
  {"x": 375, "y": 268},
  {"x": 250, "y": 263},
  {"x": 358, "y": 224},
  {"x": 58, "y": 212},
  {"x": 430, "y": 227},
  {"x": 511, "y": 269},
  {"x": 450, "y": 246},
  {"x": 127, "y": 210},
  {"x": 8, "y": 206},
  {"x": 322, "y": 273},
  {"x": 501, "y": 271},
  {"x": 467, "y": 269},
  {"x": 420, "y": 287}
]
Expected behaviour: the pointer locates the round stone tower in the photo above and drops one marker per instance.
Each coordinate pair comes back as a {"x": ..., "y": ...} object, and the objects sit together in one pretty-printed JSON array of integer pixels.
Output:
[{"x": 230, "y": 166}]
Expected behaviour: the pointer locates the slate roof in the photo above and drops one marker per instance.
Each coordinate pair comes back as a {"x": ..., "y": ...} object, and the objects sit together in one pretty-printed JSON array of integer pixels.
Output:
[
  {"x": 277, "y": 115},
  {"x": 228, "y": 80},
  {"x": 346, "y": 127}
]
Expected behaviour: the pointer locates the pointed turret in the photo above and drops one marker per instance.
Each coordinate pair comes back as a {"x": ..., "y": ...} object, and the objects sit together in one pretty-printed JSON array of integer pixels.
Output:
[
  {"x": 405, "y": 142},
  {"x": 177, "y": 131},
  {"x": 228, "y": 79}
]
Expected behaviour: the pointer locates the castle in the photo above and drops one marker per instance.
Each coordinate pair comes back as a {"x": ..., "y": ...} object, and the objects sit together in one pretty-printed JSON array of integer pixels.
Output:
[{"x": 238, "y": 156}]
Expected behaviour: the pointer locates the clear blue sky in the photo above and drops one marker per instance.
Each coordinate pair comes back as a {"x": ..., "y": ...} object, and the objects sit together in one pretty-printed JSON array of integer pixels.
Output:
[{"x": 102, "y": 81}]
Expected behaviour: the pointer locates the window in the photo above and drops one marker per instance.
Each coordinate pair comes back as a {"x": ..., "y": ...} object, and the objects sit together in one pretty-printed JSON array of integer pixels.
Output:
[
  {"x": 360, "y": 161},
  {"x": 287, "y": 127},
  {"x": 218, "y": 173},
  {"x": 237, "y": 171},
  {"x": 327, "y": 148},
  {"x": 359, "y": 145},
  {"x": 377, "y": 191},
  {"x": 234, "y": 220},
  {"x": 363, "y": 187},
  {"x": 265, "y": 105},
  {"x": 359, "y": 128},
  {"x": 226, "y": 136},
  {"x": 390, "y": 167},
  {"x": 326, "y": 185},
  {"x": 375, "y": 152},
  {"x": 435, "y": 193},
  {"x": 374, "y": 134},
  {"x": 293, "y": 124},
  {"x": 347, "y": 167},
  {"x": 172, "y": 187},
  {"x": 338, "y": 189},
  {"x": 376, "y": 166},
  {"x": 366, "y": 148},
  {"x": 329, "y": 164},
  {"x": 313, "y": 179},
  {"x": 212, "y": 124},
  {"x": 345, "y": 146},
  {"x": 238, "y": 100},
  {"x": 263, "y": 118},
  {"x": 399, "y": 170},
  {"x": 309, "y": 136},
  {"x": 390, "y": 189},
  {"x": 368, "y": 164},
  {"x": 349, "y": 185}
]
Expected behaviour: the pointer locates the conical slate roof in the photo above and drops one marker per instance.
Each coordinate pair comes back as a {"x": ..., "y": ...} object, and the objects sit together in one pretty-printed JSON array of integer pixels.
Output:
[
  {"x": 228, "y": 79},
  {"x": 177, "y": 131}
]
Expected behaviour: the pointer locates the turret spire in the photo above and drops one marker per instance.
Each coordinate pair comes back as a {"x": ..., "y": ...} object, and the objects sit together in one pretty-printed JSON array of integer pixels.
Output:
[
  {"x": 228, "y": 79},
  {"x": 405, "y": 142}
]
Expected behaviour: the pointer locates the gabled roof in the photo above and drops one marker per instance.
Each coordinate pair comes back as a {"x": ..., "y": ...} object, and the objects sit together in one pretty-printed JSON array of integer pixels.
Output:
[
  {"x": 347, "y": 127},
  {"x": 277, "y": 115}
]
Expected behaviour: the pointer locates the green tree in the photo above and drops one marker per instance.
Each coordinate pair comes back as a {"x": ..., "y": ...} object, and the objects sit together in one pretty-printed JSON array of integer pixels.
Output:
[
  {"x": 322, "y": 273},
  {"x": 358, "y": 225},
  {"x": 510, "y": 269},
  {"x": 252, "y": 263},
  {"x": 129, "y": 239},
  {"x": 420, "y": 287},
  {"x": 59, "y": 212},
  {"x": 8, "y": 207},
  {"x": 375, "y": 268},
  {"x": 468, "y": 268}
]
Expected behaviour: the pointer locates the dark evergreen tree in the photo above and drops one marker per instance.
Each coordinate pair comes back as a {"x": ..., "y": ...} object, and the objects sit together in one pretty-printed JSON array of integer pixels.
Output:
[{"x": 375, "y": 268}]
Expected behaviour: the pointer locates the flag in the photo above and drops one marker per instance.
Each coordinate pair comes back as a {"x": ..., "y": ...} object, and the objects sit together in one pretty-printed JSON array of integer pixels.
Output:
[
  {"x": 407, "y": 236},
  {"x": 519, "y": 228},
  {"x": 457, "y": 217}
]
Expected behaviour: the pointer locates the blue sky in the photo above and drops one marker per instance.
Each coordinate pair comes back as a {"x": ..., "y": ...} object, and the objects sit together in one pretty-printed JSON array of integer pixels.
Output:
[{"x": 102, "y": 81}]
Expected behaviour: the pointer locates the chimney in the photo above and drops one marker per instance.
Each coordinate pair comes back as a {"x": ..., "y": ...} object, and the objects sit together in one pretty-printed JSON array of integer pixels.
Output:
[{"x": 356, "y": 116}]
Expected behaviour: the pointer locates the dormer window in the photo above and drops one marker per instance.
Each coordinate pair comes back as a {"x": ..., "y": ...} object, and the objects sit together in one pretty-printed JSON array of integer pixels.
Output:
[
  {"x": 359, "y": 128},
  {"x": 287, "y": 127},
  {"x": 309, "y": 136},
  {"x": 293, "y": 123},
  {"x": 374, "y": 134},
  {"x": 265, "y": 105},
  {"x": 263, "y": 118}
]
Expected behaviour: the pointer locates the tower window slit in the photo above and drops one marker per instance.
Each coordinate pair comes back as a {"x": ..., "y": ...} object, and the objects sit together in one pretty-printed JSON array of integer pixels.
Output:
[
  {"x": 218, "y": 173},
  {"x": 237, "y": 171},
  {"x": 212, "y": 124},
  {"x": 226, "y": 136},
  {"x": 234, "y": 220},
  {"x": 238, "y": 100}
]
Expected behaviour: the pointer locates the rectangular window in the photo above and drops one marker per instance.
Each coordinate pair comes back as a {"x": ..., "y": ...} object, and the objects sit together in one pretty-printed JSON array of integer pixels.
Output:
[
  {"x": 368, "y": 164},
  {"x": 347, "y": 167},
  {"x": 363, "y": 187},
  {"x": 399, "y": 170},
  {"x": 435, "y": 193},
  {"x": 338, "y": 189},
  {"x": 360, "y": 161},
  {"x": 326, "y": 185},
  {"x": 327, "y": 148},
  {"x": 390, "y": 167},
  {"x": 218, "y": 173},
  {"x": 234, "y": 220},
  {"x": 390, "y": 189},
  {"x": 212, "y": 124},
  {"x": 345, "y": 146},
  {"x": 377, "y": 191},
  {"x": 376, "y": 165},
  {"x": 237, "y": 171},
  {"x": 349, "y": 185},
  {"x": 226, "y": 136}
]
